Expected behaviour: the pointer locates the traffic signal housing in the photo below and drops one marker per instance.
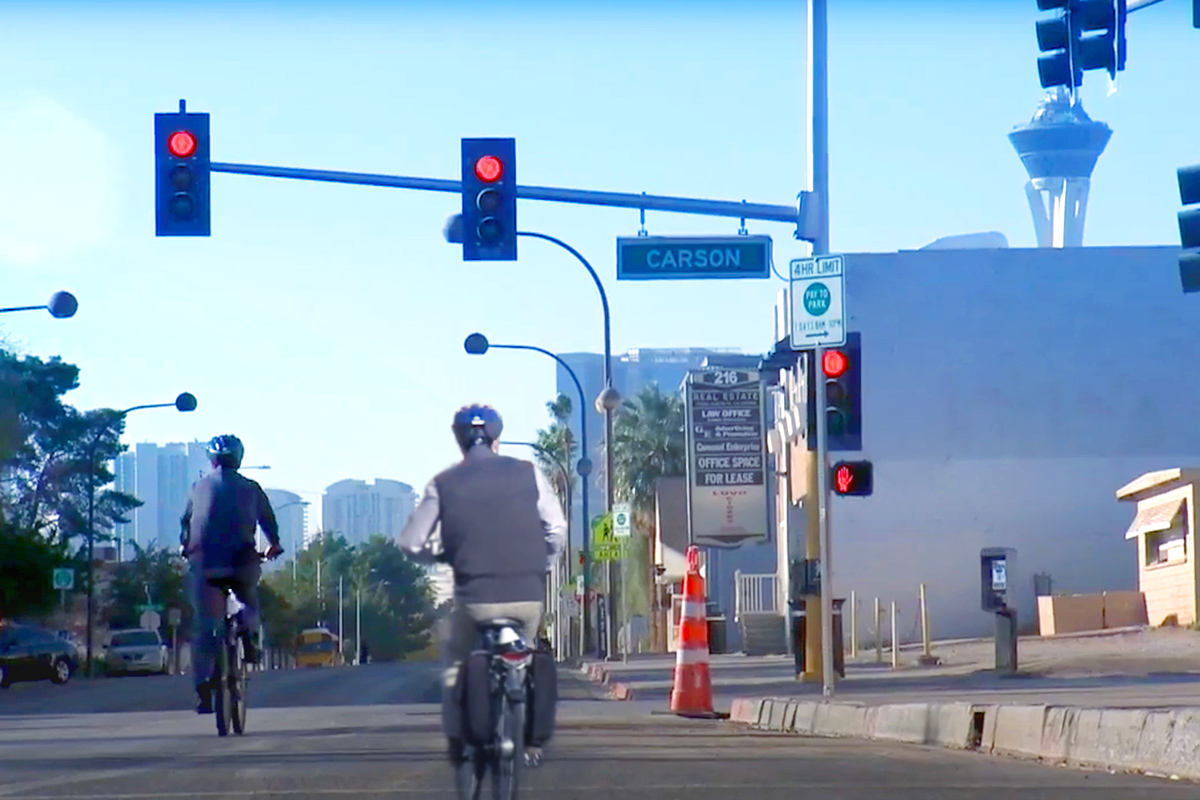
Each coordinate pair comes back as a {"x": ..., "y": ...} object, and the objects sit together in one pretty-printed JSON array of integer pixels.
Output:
[
  {"x": 489, "y": 199},
  {"x": 182, "y": 169},
  {"x": 1085, "y": 35},
  {"x": 1189, "y": 228},
  {"x": 853, "y": 478},
  {"x": 840, "y": 375}
]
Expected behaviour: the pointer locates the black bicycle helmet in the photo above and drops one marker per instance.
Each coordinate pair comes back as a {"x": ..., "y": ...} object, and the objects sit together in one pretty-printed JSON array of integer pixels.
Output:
[
  {"x": 476, "y": 424},
  {"x": 226, "y": 450}
]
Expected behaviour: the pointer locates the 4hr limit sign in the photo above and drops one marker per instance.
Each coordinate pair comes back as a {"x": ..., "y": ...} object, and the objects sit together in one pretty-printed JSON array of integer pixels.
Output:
[{"x": 818, "y": 290}]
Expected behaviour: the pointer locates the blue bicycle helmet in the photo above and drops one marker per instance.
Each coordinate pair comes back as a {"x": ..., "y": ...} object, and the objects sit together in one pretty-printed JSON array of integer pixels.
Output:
[
  {"x": 476, "y": 424},
  {"x": 226, "y": 450}
]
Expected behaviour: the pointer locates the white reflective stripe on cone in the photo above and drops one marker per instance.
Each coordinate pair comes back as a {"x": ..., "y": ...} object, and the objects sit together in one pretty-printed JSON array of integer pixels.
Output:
[
  {"x": 691, "y": 655},
  {"x": 693, "y": 609}
]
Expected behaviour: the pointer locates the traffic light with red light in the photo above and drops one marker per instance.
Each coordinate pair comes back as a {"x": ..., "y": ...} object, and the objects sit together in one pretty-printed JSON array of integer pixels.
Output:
[
  {"x": 181, "y": 179},
  {"x": 853, "y": 478},
  {"x": 840, "y": 372},
  {"x": 489, "y": 199}
]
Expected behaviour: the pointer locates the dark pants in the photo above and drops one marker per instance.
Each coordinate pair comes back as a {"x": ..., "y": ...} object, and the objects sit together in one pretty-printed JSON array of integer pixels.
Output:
[{"x": 208, "y": 607}]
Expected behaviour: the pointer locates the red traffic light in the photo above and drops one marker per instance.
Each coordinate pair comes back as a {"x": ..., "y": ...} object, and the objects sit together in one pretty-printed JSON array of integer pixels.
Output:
[
  {"x": 834, "y": 363},
  {"x": 489, "y": 169},
  {"x": 181, "y": 144}
]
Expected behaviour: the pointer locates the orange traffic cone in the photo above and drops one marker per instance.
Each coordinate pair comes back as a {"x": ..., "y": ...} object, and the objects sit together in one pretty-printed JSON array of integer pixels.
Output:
[{"x": 692, "y": 695}]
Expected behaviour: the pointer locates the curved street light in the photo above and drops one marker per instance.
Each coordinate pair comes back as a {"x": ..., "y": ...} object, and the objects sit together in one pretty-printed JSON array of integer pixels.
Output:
[
  {"x": 186, "y": 401},
  {"x": 61, "y": 306},
  {"x": 477, "y": 344}
]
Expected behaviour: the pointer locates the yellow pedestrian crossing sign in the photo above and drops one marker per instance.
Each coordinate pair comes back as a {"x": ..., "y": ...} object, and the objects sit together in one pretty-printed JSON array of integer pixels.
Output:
[{"x": 605, "y": 547}]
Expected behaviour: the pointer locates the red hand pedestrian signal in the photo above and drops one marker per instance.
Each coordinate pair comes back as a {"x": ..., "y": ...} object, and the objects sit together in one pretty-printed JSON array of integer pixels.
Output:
[
  {"x": 853, "y": 478},
  {"x": 843, "y": 478}
]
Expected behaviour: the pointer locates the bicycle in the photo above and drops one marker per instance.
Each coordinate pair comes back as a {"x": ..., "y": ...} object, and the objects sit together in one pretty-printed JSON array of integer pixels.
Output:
[
  {"x": 228, "y": 679},
  {"x": 508, "y": 660}
]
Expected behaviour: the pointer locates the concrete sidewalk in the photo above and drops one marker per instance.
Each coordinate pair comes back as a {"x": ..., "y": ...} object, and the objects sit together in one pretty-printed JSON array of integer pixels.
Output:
[
  {"x": 1135, "y": 667},
  {"x": 1126, "y": 700}
]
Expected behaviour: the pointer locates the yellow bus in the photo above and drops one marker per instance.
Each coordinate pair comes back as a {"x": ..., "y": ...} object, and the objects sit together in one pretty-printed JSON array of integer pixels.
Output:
[{"x": 318, "y": 647}]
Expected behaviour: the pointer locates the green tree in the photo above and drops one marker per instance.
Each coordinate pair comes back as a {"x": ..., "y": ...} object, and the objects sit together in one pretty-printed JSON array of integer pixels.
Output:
[
  {"x": 46, "y": 456},
  {"x": 154, "y": 576},
  {"x": 50, "y": 452},
  {"x": 26, "y": 564},
  {"x": 399, "y": 618},
  {"x": 648, "y": 444},
  {"x": 397, "y": 598}
]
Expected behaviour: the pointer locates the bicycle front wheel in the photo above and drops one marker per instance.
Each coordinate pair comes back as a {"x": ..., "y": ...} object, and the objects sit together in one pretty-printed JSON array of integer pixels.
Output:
[
  {"x": 506, "y": 770},
  {"x": 222, "y": 702},
  {"x": 237, "y": 685}
]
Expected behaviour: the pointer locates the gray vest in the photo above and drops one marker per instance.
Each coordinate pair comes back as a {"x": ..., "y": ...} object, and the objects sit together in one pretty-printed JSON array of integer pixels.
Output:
[{"x": 492, "y": 533}]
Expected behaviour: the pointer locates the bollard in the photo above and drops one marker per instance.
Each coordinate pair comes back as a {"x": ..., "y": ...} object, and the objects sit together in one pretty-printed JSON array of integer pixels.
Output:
[
  {"x": 927, "y": 657},
  {"x": 878, "y": 632},
  {"x": 853, "y": 624},
  {"x": 895, "y": 643}
]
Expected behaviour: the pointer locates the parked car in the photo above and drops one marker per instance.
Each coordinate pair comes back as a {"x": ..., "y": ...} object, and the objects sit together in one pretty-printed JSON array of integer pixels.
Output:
[
  {"x": 137, "y": 650},
  {"x": 29, "y": 653}
]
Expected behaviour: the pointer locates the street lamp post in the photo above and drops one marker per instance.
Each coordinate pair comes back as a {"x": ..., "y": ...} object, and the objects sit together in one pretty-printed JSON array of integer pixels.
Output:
[
  {"x": 478, "y": 344},
  {"x": 358, "y": 591},
  {"x": 61, "y": 306},
  {"x": 560, "y": 638},
  {"x": 608, "y": 402},
  {"x": 184, "y": 402}
]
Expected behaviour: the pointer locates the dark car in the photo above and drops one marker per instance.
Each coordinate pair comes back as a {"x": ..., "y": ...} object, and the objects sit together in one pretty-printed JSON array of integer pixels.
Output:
[{"x": 28, "y": 653}]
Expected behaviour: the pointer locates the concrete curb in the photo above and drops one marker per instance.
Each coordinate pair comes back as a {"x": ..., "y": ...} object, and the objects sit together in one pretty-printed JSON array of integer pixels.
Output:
[
  {"x": 1156, "y": 741},
  {"x": 620, "y": 691},
  {"x": 597, "y": 673}
]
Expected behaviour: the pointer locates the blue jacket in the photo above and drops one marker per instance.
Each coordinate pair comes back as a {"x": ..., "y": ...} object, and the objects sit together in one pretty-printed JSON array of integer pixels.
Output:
[{"x": 223, "y": 512}]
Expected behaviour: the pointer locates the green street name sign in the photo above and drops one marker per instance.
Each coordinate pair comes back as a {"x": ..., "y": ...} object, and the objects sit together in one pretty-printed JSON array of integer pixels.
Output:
[{"x": 649, "y": 258}]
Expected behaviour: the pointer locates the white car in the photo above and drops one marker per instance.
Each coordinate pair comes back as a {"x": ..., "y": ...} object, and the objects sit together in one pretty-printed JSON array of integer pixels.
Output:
[{"x": 137, "y": 650}]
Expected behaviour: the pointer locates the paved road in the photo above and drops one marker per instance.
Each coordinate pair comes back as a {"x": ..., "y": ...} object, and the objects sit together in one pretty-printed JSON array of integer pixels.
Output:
[
  {"x": 300, "y": 750},
  {"x": 370, "y": 684}
]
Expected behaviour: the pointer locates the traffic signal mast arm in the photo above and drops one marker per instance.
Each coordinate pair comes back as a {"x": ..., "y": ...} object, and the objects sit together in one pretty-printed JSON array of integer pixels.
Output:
[{"x": 802, "y": 215}]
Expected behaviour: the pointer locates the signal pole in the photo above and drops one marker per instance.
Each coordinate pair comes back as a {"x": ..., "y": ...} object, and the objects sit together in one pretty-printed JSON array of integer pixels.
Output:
[{"x": 818, "y": 642}]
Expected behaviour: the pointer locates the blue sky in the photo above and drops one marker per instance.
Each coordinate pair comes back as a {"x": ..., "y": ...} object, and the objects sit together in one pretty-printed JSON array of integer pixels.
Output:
[{"x": 324, "y": 323}]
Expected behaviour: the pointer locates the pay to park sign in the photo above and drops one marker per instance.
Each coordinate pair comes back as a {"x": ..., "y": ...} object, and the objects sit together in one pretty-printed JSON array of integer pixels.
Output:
[{"x": 726, "y": 468}]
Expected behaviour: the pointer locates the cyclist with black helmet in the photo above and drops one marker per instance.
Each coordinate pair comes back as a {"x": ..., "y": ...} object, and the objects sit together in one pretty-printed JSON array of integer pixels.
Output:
[
  {"x": 218, "y": 539},
  {"x": 501, "y": 528}
]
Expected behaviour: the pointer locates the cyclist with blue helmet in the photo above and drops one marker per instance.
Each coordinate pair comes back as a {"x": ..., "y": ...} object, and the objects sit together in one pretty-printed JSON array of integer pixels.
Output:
[
  {"x": 498, "y": 523},
  {"x": 218, "y": 539}
]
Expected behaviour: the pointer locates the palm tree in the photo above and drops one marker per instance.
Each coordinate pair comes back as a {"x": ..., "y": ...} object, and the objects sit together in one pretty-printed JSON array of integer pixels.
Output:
[
  {"x": 649, "y": 443},
  {"x": 556, "y": 447}
]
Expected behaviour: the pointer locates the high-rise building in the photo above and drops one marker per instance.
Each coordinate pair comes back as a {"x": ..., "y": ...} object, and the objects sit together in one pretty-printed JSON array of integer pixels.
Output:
[
  {"x": 358, "y": 510},
  {"x": 291, "y": 512},
  {"x": 161, "y": 477}
]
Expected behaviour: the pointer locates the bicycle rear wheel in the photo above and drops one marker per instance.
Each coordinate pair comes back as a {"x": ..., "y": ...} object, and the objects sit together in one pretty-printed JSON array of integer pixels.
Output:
[{"x": 506, "y": 768}]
